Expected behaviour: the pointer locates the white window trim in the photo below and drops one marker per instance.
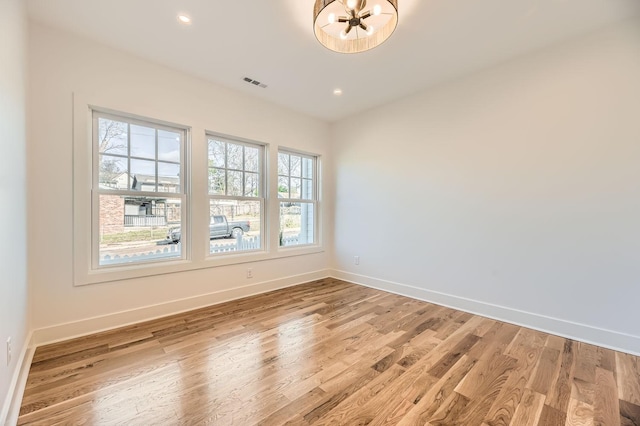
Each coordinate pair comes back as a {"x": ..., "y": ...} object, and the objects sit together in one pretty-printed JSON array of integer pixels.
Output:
[
  {"x": 315, "y": 200},
  {"x": 262, "y": 190},
  {"x": 86, "y": 199},
  {"x": 81, "y": 223}
]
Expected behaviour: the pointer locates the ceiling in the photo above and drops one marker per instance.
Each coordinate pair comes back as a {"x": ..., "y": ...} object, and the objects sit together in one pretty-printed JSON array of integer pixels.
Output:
[{"x": 272, "y": 41}]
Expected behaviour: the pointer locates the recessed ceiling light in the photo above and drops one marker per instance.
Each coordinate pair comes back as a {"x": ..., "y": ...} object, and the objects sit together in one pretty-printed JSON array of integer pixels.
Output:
[
  {"x": 184, "y": 19},
  {"x": 337, "y": 92}
]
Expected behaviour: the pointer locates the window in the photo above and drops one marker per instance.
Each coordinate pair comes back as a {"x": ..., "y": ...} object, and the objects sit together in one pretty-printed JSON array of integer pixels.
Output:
[
  {"x": 297, "y": 193},
  {"x": 138, "y": 192},
  {"x": 135, "y": 215},
  {"x": 236, "y": 195}
]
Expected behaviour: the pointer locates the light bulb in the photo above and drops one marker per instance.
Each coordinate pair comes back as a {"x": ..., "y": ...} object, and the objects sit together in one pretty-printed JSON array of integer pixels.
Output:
[
  {"x": 332, "y": 18},
  {"x": 343, "y": 34},
  {"x": 370, "y": 30},
  {"x": 377, "y": 9},
  {"x": 351, "y": 4}
]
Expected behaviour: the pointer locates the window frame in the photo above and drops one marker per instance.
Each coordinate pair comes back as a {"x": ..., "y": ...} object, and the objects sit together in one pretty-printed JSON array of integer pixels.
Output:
[
  {"x": 83, "y": 201},
  {"x": 262, "y": 191},
  {"x": 195, "y": 186},
  {"x": 96, "y": 191},
  {"x": 315, "y": 199}
]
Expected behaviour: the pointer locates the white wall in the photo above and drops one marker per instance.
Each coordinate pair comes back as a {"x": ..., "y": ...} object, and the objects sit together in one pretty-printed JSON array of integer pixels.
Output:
[
  {"x": 518, "y": 186},
  {"x": 62, "y": 64},
  {"x": 14, "y": 306}
]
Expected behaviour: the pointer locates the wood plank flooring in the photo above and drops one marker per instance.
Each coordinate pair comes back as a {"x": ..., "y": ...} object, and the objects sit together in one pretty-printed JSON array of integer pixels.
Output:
[{"x": 330, "y": 353}]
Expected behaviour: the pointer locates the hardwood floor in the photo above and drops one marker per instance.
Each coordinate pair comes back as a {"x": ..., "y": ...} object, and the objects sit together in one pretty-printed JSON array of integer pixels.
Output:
[{"x": 329, "y": 352}]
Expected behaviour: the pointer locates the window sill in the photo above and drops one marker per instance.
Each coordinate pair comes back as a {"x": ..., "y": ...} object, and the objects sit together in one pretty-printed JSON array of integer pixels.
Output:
[{"x": 127, "y": 272}]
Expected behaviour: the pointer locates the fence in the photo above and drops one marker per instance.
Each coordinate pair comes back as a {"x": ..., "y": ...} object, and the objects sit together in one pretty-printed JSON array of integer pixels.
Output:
[
  {"x": 136, "y": 220},
  {"x": 290, "y": 241},
  {"x": 241, "y": 244},
  {"x": 250, "y": 243},
  {"x": 168, "y": 251},
  {"x": 175, "y": 250}
]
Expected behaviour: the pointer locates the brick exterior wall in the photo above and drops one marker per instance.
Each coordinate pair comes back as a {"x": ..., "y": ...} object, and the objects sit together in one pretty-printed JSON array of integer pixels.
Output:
[{"x": 111, "y": 214}]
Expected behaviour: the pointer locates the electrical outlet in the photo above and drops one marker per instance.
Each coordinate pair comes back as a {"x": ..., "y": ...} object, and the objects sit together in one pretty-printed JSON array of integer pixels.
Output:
[
  {"x": 249, "y": 273},
  {"x": 356, "y": 260},
  {"x": 8, "y": 350}
]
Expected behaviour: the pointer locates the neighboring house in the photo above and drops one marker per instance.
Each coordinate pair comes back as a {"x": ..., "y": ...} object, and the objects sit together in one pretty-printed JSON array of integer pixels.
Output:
[
  {"x": 139, "y": 211},
  {"x": 119, "y": 181},
  {"x": 148, "y": 183},
  {"x": 145, "y": 212},
  {"x": 123, "y": 181}
]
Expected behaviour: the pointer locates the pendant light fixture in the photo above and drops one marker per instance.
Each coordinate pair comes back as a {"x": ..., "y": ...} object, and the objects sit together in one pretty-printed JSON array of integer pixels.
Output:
[{"x": 353, "y": 26}]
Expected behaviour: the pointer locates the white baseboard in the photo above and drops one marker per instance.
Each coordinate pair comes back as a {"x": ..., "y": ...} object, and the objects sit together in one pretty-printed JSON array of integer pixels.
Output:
[
  {"x": 86, "y": 326},
  {"x": 11, "y": 405},
  {"x": 581, "y": 332}
]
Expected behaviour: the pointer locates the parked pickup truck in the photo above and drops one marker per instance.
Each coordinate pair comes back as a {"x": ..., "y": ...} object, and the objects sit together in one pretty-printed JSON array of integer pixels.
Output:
[{"x": 220, "y": 227}]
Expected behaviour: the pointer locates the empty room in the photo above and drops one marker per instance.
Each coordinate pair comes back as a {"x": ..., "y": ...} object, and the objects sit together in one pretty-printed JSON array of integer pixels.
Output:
[{"x": 327, "y": 212}]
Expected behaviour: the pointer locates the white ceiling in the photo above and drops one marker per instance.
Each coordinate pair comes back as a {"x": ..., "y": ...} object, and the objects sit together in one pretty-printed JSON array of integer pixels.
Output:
[{"x": 272, "y": 41}]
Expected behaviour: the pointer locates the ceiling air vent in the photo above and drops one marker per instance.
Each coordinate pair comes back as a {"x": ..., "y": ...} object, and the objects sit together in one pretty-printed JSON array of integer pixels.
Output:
[{"x": 255, "y": 82}]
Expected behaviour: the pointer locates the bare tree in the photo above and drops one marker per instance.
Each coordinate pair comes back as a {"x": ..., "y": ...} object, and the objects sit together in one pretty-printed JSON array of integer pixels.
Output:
[
  {"x": 112, "y": 136},
  {"x": 112, "y": 139}
]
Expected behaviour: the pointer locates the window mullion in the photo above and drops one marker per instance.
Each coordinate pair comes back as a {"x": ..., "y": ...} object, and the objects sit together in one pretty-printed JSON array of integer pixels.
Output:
[
  {"x": 129, "y": 156},
  {"x": 156, "y": 160},
  {"x": 289, "y": 174},
  {"x": 226, "y": 168},
  {"x": 244, "y": 183}
]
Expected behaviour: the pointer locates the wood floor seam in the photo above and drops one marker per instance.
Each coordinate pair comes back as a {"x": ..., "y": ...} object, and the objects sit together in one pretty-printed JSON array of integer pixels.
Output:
[{"x": 329, "y": 352}]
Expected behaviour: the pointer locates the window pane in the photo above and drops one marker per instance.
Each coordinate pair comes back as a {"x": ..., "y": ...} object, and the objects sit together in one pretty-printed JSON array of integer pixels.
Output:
[
  {"x": 297, "y": 224},
  {"x": 143, "y": 173},
  {"x": 217, "y": 152},
  {"x": 112, "y": 136},
  {"x": 168, "y": 177},
  {"x": 283, "y": 187},
  {"x": 133, "y": 158},
  {"x": 307, "y": 168},
  {"x": 113, "y": 173},
  {"x": 135, "y": 229},
  {"x": 296, "y": 166},
  {"x": 143, "y": 142},
  {"x": 216, "y": 181},
  {"x": 234, "y": 226},
  {"x": 169, "y": 146},
  {"x": 234, "y": 156},
  {"x": 295, "y": 188},
  {"x": 234, "y": 183},
  {"x": 251, "y": 159},
  {"x": 251, "y": 185},
  {"x": 283, "y": 164},
  {"x": 307, "y": 189}
]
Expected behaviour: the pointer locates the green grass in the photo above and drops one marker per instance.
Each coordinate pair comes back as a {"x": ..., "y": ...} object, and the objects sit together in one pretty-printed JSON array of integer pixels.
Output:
[{"x": 134, "y": 236}]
